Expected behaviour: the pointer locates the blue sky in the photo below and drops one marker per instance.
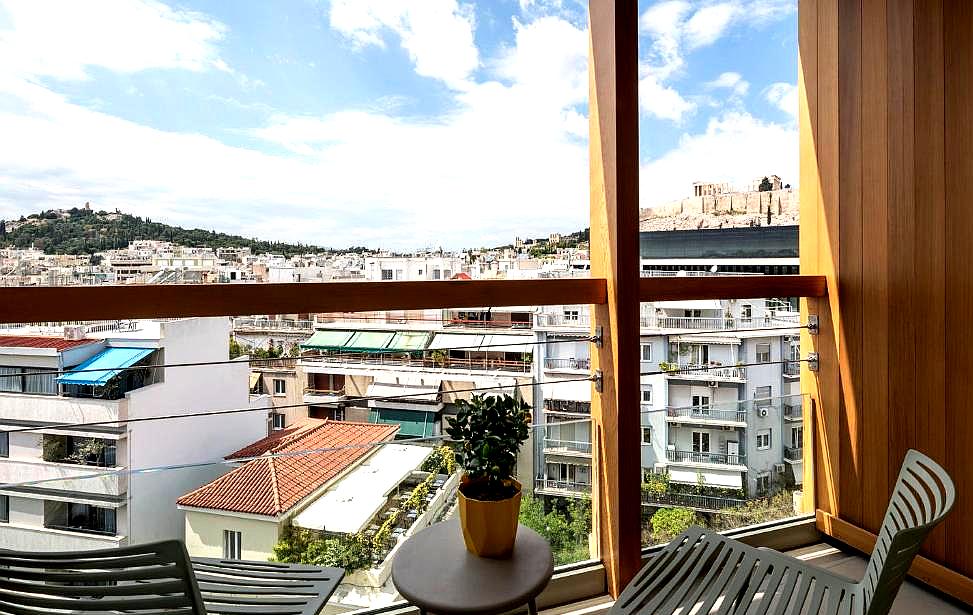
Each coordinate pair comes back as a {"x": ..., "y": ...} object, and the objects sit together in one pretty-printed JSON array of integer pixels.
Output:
[{"x": 388, "y": 123}]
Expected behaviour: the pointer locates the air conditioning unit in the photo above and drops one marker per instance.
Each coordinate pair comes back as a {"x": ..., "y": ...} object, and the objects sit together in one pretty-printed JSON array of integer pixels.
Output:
[
  {"x": 762, "y": 412},
  {"x": 74, "y": 332},
  {"x": 713, "y": 384},
  {"x": 779, "y": 468}
]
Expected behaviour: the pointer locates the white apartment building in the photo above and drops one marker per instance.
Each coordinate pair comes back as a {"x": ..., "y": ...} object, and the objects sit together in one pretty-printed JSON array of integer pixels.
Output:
[
  {"x": 705, "y": 418},
  {"x": 71, "y": 512},
  {"x": 412, "y": 268}
]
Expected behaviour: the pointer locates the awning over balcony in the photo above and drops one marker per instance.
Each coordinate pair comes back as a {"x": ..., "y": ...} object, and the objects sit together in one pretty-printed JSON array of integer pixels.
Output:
[
  {"x": 409, "y": 390},
  {"x": 369, "y": 341},
  {"x": 466, "y": 341},
  {"x": 579, "y": 390},
  {"x": 106, "y": 365},
  {"x": 412, "y": 423},
  {"x": 509, "y": 343},
  {"x": 711, "y": 478},
  {"x": 327, "y": 340},
  {"x": 254, "y": 380},
  {"x": 409, "y": 341}
]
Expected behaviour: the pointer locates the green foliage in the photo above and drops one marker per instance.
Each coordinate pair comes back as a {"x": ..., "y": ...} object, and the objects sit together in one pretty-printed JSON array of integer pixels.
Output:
[
  {"x": 82, "y": 231},
  {"x": 668, "y": 523},
  {"x": 301, "y": 546},
  {"x": 656, "y": 484},
  {"x": 235, "y": 349},
  {"x": 54, "y": 448},
  {"x": 765, "y": 185},
  {"x": 761, "y": 510},
  {"x": 441, "y": 461},
  {"x": 490, "y": 431},
  {"x": 384, "y": 533},
  {"x": 668, "y": 367},
  {"x": 567, "y": 532}
]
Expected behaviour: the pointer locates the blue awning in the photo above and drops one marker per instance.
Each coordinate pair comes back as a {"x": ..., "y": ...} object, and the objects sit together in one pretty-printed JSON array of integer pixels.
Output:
[{"x": 106, "y": 365}]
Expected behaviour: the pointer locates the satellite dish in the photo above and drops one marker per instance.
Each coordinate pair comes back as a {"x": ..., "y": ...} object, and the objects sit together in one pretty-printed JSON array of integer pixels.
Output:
[{"x": 713, "y": 269}]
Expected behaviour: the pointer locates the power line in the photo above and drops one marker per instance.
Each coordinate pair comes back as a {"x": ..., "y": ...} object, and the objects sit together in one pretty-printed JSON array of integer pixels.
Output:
[{"x": 366, "y": 398}]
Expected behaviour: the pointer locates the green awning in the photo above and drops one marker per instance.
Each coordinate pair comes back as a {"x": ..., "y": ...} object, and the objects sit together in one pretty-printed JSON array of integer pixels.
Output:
[
  {"x": 406, "y": 341},
  {"x": 369, "y": 341},
  {"x": 412, "y": 423},
  {"x": 327, "y": 340}
]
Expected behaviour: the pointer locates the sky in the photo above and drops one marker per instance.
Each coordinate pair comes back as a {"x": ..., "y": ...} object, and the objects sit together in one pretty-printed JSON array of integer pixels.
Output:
[{"x": 398, "y": 124}]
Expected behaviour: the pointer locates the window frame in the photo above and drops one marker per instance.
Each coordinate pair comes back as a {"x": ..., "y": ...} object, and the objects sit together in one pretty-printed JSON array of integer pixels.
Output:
[
  {"x": 768, "y": 354},
  {"x": 232, "y": 541},
  {"x": 646, "y": 431},
  {"x": 283, "y": 387},
  {"x": 767, "y": 433}
]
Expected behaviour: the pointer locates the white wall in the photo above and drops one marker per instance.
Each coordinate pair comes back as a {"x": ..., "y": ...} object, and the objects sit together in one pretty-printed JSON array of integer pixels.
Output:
[{"x": 186, "y": 390}]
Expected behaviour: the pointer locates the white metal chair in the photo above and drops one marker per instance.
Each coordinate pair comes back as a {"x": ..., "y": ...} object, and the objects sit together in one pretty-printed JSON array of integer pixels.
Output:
[{"x": 701, "y": 572}]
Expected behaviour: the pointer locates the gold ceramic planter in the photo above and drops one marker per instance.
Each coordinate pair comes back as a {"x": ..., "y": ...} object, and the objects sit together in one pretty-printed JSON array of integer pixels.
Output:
[{"x": 489, "y": 527}]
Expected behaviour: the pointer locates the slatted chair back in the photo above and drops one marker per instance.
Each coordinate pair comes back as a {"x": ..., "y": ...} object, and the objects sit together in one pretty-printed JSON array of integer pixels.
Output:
[
  {"x": 149, "y": 579},
  {"x": 923, "y": 495}
]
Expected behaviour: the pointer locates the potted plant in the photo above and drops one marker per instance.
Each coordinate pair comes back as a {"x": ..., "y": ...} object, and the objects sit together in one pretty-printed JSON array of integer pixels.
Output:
[{"x": 490, "y": 431}]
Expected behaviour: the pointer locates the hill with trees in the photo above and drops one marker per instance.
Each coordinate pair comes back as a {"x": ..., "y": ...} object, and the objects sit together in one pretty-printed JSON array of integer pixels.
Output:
[{"x": 84, "y": 231}]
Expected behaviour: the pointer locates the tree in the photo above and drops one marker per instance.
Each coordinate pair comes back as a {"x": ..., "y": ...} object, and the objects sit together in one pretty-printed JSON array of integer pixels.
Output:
[
  {"x": 668, "y": 523},
  {"x": 3, "y": 228},
  {"x": 765, "y": 185}
]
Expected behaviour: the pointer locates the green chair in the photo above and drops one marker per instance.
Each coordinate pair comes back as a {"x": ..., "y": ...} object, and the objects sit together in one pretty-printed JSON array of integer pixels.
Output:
[{"x": 701, "y": 572}]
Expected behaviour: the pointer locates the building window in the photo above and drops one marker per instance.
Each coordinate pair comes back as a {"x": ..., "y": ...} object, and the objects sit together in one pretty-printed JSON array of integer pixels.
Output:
[
  {"x": 763, "y": 439},
  {"x": 232, "y": 544},
  {"x": 338, "y": 414},
  {"x": 436, "y": 274},
  {"x": 4, "y": 509},
  {"x": 763, "y": 353},
  {"x": 797, "y": 437},
  {"x": 10, "y": 380},
  {"x": 700, "y": 442},
  {"x": 746, "y": 311},
  {"x": 701, "y": 404},
  {"x": 279, "y": 420},
  {"x": 386, "y": 274},
  {"x": 571, "y": 315},
  {"x": 398, "y": 274},
  {"x": 280, "y": 387},
  {"x": 646, "y": 352},
  {"x": 763, "y": 484},
  {"x": 646, "y": 435},
  {"x": 762, "y": 396},
  {"x": 647, "y": 395},
  {"x": 4, "y": 444}
]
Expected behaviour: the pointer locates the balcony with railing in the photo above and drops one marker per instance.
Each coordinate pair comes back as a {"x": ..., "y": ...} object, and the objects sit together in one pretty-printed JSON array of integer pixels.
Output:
[
  {"x": 567, "y": 406},
  {"x": 545, "y": 320},
  {"x": 730, "y": 413},
  {"x": 428, "y": 361},
  {"x": 698, "y": 371},
  {"x": 273, "y": 325},
  {"x": 550, "y": 486},
  {"x": 793, "y": 411},
  {"x": 567, "y": 364},
  {"x": 792, "y": 369},
  {"x": 323, "y": 396},
  {"x": 553, "y": 446},
  {"x": 737, "y": 461},
  {"x": 794, "y": 454},
  {"x": 702, "y": 503},
  {"x": 727, "y": 323}
]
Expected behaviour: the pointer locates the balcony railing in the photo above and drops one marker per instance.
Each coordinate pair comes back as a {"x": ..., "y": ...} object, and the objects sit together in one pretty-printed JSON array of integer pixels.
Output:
[
  {"x": 552, "y": 445},
  {"x": 793, "y": 412},
  {"x": 718, "y": 323},
  {"x": 569, "y": 486},
  {"x": 697, "y": 371},
  {"x": 487, "y": 364},
  {"x": 311, "y": 392},
  {"x": 690, "y": 500},
  {"x": 705, "y": 457},
  {"x": 582, "y": 364},
  {"x": 273, "y": 324},
  {"x": 794, "y": 453},
  {"x": 580, "y": 321},
  {"x": 792, "y": 368},
  {"x": 732, "y": 413},
  {"x": 568, "y": 406}
]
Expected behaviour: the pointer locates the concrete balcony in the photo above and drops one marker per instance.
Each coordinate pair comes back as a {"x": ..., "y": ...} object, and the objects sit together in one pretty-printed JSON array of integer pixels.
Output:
[
  {"x": 732, "y": 414},
  {"x": 696, "y": 371},
  {"x": 793, "y": 412},
  {"x": 794, "y": 454},
  {"x": 567, "y": 447},
  {"x": 581, "y": 322},
  {"x": 40, "y": 409},
  {"x": 564, "y": 488},
  {"x": 369, "y": 363},
  {"x": 65, "y": 475},
  {"x": 567, "y": 365},
  {"x": 683, "y": 323},
  {"x": 792, "y": 369},
  {"x": 703, "y": 503},
  {"x": 29, "y": 538},
  {"x": 706, "y": 459},
  {"x": 323, "y": 396}
]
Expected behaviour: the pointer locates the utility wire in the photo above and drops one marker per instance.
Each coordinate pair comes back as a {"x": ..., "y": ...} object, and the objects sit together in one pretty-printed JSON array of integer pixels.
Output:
[{"x": 114, "y": 423}]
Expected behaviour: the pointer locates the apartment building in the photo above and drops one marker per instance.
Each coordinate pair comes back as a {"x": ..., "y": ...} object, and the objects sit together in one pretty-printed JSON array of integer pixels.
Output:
[
  {"x": 122, "y": 376},
  {"x": 707, "y": 420},
  {"x": 412, "y": 268}
]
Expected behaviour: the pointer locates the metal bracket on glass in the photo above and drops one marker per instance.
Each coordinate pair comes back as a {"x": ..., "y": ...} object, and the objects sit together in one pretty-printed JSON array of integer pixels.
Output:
[
  {"x": 598, "y": 337},
  {"x": 599, "y": 380},
  {"x": 813, "y": 325},
  {"x": 812, "y": 361}
]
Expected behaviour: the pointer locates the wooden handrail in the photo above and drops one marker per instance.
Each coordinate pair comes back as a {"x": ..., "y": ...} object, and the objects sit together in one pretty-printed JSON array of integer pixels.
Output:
[{"x": 62, "y": 303}]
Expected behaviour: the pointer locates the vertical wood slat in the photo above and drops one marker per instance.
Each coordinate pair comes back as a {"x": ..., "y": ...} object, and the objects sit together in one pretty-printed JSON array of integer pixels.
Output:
[
  {"x": 875, "y": 273},
  {"x": 614, "y": 168},
  {"x": 930, "y": 243},
  {"x": 849, "y": 217},
  {"x": 958, "y": 150}
]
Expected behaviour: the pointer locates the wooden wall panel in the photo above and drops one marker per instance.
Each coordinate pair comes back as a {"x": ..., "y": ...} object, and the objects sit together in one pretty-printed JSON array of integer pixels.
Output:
[{"x": 886, "y": 168}]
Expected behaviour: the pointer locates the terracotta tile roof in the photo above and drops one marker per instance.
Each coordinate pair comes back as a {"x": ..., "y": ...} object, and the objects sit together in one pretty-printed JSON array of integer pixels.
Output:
[
  {"x": 273, "y": 485},
  {"x": 39, "y": 341},
  {"x": 275, "y": 440}
]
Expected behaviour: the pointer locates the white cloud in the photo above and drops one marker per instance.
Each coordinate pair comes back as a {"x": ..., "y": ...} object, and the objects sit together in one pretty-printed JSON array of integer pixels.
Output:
[
  {"x": 511, "y": 157},
  {"x": 783, "y": 96},
  {"x": 730, "y": 81},
  {"x": 662, "y": 101},
  {"x": 437, "y": 34},
  {"x": 63, "y": 39},
  {"x": 734, "y": 148},
  {"x": 709, "y": 23}
]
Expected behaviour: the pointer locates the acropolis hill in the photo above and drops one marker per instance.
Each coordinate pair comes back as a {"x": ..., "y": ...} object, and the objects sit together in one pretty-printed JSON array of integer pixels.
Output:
[{"x": 718, "y": 206}]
